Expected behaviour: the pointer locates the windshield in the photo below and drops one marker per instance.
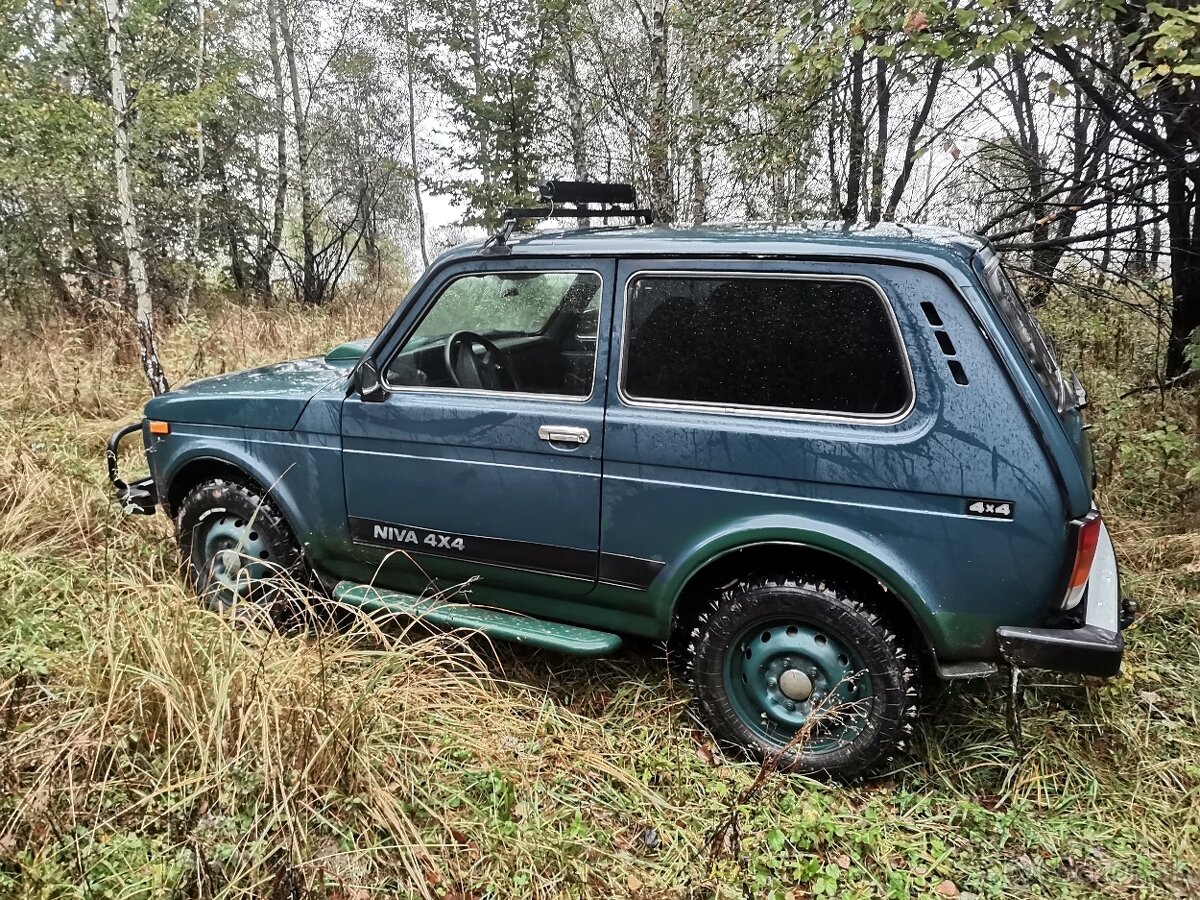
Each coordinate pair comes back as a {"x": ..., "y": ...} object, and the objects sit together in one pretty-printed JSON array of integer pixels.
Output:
[{"x": 1037, "y": 348}]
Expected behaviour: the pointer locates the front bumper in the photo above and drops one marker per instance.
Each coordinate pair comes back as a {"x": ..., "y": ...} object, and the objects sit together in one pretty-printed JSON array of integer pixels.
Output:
[
  {"x": 1096, "y": 647},
  {"x": 139, "y": 497}
]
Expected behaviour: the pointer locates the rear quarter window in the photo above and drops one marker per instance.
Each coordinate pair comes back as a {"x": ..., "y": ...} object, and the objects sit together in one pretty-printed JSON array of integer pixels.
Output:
[
  {"x": 806, "y": 345},
  {"x": 1035, "y": 346}
]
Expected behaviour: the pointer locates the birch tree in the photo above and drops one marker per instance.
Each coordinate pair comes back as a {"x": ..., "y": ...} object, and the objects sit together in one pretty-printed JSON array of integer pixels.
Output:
[
  {"x": 185, "y": 301},
  {"x": 114, "y": 15}
]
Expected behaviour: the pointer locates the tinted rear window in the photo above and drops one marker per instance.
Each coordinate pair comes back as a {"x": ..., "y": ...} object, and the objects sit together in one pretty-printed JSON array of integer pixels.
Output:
[
  {"x": 812, "y": 345},
  {"x": 1037, "y": 349}
]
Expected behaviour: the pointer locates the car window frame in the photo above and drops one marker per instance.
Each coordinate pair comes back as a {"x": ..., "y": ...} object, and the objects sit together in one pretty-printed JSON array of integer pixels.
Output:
[
  {"x": 993, "y": 270},
  {"x": 480, "y": 392},
  {"x": 771, "y": 412}
]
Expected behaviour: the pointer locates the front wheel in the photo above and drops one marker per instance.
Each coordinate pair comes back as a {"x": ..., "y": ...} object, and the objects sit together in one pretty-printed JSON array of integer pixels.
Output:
[
  {"x": 238, "y": 551},
  {"x": 804, "y": 672}
]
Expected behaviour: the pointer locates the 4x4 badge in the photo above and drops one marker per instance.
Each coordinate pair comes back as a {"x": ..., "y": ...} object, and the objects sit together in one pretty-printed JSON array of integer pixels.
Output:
[{"x": 990, "y": 509}]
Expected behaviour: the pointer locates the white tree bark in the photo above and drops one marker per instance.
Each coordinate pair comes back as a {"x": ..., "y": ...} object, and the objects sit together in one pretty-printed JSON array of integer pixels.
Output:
[
  {"x": 198, "y": 200},
  {"x": 114, "y": 16},
  {"x": 262, "y": 278},
  {"x": 412, "y": 133}
]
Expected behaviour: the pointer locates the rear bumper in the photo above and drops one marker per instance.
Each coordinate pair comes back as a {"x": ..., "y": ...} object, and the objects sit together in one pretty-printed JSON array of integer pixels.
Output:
[
  {"x": 140, "y": 496},
  {"x": 1096, "y": 647}
]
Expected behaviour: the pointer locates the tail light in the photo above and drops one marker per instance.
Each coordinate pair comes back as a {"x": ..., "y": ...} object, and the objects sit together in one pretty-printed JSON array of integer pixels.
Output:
[{"x": 1087, "y": 536}]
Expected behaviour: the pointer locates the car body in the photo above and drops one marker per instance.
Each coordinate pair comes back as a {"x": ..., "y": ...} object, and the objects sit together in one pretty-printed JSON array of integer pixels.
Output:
[{"x": 651, "y": 448}]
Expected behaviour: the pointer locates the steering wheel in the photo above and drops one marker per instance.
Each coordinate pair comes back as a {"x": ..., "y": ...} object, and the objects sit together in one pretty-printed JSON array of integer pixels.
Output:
[{"x": 467, "y": 370}]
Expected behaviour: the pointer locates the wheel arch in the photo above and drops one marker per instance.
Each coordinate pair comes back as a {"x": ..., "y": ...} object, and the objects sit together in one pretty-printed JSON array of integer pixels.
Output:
[
  {"x": 196, "y": 470},
  {"x": 850, "y": 563}
]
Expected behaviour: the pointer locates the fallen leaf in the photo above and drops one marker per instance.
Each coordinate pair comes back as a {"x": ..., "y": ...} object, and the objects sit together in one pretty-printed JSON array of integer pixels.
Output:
[
  {"x": 842, "y": 860},
  {"x": 946, "y": 889},
  {"x": 634, "y": 883},
  {"x": 706, "y": 755}
]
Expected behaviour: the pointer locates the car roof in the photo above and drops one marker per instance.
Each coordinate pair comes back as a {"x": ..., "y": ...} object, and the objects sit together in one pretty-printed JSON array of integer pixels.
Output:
[{"x": 737, "y": 239}]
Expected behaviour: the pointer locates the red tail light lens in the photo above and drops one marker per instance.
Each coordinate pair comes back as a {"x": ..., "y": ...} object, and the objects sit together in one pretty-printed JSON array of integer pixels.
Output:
[{"x": 1086, "y": 539}]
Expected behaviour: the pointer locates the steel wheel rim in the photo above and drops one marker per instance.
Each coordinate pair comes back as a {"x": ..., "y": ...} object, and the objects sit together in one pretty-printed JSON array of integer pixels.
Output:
[
  {"x": 235, "y": 557},
  {"x": 769, "y": 666}
]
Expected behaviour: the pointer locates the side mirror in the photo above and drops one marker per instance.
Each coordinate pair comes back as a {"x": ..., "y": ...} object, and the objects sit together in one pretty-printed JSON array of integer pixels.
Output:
[{"x": 368, "y": 382}]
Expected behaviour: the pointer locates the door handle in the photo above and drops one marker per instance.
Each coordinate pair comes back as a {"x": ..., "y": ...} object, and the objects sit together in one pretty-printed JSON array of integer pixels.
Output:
[{"x": 564, "y": 434}]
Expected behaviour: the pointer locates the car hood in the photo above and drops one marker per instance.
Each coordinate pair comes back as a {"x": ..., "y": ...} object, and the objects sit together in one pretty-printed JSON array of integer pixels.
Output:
[{"x": 267, "y": 397}]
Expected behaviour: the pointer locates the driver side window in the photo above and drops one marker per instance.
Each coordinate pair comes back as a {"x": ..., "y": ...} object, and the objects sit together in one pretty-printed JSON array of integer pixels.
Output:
[{"x": 515, "y": 331}]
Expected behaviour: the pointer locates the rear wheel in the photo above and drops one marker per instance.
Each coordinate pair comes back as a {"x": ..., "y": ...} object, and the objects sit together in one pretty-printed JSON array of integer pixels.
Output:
[
  {"x": 238, "y": 551},
  {"x": 805, "y": 672}
]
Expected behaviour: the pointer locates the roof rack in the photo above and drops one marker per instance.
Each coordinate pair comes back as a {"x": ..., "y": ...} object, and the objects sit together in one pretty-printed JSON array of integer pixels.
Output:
[{"x": 610, "y": 200}]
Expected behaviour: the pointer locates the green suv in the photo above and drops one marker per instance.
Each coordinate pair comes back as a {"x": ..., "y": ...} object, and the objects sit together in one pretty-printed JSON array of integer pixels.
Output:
[{"x": 820, "y": 462}]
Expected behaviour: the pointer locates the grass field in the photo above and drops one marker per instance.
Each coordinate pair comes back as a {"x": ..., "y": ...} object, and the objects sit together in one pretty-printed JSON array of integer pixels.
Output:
[{"x": 148, "y": 749}]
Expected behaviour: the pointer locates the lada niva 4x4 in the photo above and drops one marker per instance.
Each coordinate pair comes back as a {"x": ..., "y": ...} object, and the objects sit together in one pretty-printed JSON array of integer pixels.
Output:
[{"x": 819, "y": 462}]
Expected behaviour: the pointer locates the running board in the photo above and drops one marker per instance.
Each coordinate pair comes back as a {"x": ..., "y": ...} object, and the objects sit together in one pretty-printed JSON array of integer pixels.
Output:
[{"x": 495, "y": 623}]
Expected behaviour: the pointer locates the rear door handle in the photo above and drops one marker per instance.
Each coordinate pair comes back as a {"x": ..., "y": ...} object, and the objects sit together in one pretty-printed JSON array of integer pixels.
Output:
[{"x": 564, "y": 434}]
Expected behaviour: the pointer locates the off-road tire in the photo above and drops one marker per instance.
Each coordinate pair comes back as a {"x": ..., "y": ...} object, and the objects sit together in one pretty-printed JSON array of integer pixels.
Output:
[
  {"x": 245, "y": 510},
  {"x": 847, "y": 615}
]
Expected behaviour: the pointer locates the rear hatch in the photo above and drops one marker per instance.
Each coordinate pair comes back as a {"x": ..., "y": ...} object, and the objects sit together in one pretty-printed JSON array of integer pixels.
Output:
[{"x": 1064, "y": 391}]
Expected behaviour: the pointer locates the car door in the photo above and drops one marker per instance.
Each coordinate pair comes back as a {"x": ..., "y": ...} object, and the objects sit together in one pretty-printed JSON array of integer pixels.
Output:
[{"x": 498, "y": 478}]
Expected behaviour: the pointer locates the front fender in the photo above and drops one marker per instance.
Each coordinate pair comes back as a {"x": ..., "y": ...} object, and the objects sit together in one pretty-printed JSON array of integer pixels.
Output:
[{"x": 301, "y": 472}]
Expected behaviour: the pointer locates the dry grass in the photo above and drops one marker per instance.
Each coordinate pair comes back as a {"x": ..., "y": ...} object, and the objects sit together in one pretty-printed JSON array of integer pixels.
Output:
[{"x": 147, "y": 749}]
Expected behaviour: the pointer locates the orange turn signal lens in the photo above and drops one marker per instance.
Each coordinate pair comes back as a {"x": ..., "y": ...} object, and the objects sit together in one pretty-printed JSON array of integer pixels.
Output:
[{"x": 160, "y": 427}]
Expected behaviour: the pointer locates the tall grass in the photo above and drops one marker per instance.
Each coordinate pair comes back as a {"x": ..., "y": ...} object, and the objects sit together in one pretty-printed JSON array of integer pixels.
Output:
[{"x": 150, "y": 749}]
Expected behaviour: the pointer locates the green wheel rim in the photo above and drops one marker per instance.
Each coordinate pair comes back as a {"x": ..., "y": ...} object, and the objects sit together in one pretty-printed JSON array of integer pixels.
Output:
[
  {"x": 779, "y": 673},
  {"x": 235, "y": 557}
]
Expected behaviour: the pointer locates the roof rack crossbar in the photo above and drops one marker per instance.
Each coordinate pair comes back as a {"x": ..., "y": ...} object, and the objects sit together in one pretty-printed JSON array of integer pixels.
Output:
[{"x": 609, "y": 200}]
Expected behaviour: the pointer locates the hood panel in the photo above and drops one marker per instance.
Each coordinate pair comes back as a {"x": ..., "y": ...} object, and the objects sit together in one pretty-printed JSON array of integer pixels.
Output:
[{"x": 268, "y": 397}]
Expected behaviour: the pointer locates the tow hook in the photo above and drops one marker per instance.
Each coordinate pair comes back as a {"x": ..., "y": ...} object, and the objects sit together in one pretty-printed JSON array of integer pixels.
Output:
[{"x": 1129, "y": 611}]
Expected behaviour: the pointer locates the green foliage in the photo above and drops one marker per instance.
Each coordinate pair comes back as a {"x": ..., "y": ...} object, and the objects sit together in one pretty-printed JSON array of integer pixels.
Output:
[
  {"x": 1147, "y": 443},
  {"x": 489, "y": 65},
  {"x": 1167, "y": 47}
]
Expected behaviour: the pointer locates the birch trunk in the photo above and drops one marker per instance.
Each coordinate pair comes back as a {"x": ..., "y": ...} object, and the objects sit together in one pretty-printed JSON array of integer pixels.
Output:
[
  {"x": 412, "y": 136},
  {"x": 185, "y": 302},
  {"x": 114, "y": 17}
]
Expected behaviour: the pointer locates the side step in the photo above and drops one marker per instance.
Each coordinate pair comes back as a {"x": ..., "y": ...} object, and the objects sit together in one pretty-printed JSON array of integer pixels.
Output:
[{"x": 496, "y": 623}]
